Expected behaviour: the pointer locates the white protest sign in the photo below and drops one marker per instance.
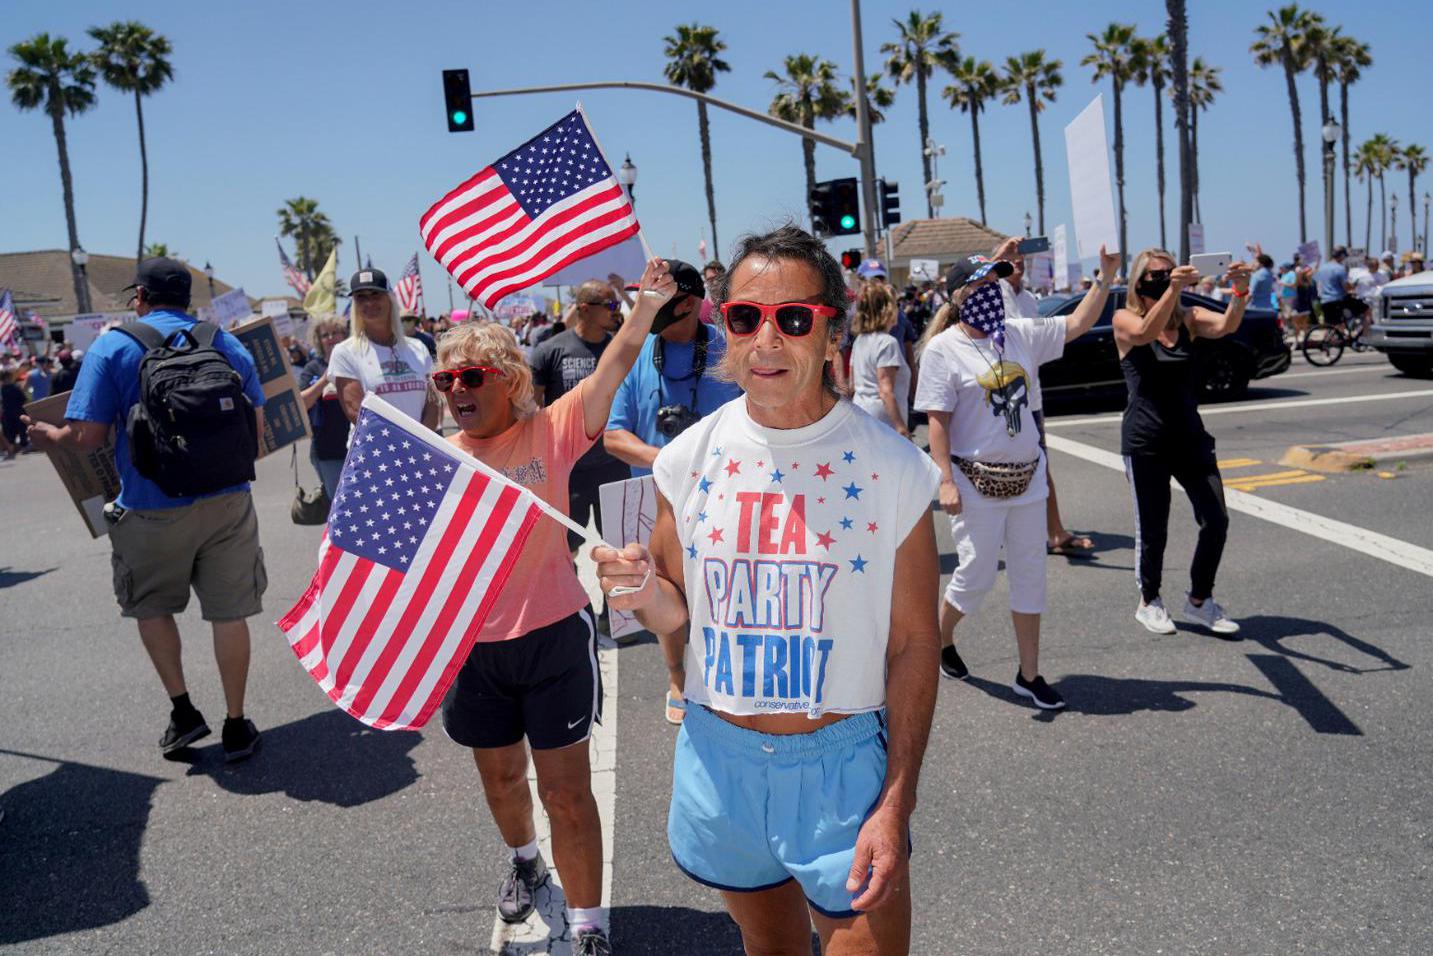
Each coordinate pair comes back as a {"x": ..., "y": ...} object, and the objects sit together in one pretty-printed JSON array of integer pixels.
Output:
[
  {"x": 278, "y": 310},
  {"x": 233, "y": 304},
  {"x": 629, "y": 509},
  {"x": 1060, "y": 249},
  {"x": 82, "y": 330},
  {"x": 1087, "y": 154},
  {"x": 1077, "y": 273},
  {"x": 924, "y": 270},
  {"x": 1196, "y": 238},
  {"x": 1040, "y": 270},
  {"x": 1309, "y": 254}
]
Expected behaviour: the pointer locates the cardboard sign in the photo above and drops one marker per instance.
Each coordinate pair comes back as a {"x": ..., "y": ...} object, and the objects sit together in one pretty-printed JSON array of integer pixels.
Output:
[
  {"x": 90, "y": 477},
  {"x": 233, "y": 304},
  {"x": 1087, "y": 152},
  {"x": 925, "y": 270},
  {"x": 285, "y": 418},
  {"x": 629, "y": 509}
]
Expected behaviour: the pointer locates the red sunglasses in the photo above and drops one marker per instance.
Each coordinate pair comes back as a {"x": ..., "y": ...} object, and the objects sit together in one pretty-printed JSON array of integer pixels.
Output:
[
  {"x": 472, "y": 376},
  {"x": 792, "y": 319}
]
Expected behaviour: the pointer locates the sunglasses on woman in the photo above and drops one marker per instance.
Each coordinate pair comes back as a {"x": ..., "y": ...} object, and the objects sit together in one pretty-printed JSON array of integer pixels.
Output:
[
  {"x": 792, "y": 319},
  {"x": 472, "y": 376},
  {"x": 611, "y": 305},
  {"x": 1158, "y": 275}
]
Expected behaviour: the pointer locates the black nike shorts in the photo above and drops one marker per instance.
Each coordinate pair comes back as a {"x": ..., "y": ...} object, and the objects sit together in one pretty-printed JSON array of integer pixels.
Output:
[{"x": 544, "y": 686}]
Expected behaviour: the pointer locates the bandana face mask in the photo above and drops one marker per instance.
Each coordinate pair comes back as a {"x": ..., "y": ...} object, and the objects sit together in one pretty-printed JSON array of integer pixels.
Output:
[{"x": 985, "y": 310}]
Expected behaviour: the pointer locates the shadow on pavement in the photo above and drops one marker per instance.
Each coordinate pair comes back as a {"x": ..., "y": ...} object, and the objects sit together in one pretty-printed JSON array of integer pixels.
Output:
[
  {"x": 675, "y": 929},
  {"x": 1271, "y": 631},
  {"x": 69, "y": 851},
  {"x": 9, "y": 578},
  {"x": 329, "y": 757}
]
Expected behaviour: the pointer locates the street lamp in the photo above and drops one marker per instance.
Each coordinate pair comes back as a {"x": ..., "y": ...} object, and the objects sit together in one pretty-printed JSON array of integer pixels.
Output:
[
  {"x": 934, "y": 198},
  {"x": 1332, "y": 131},
  {"x": 1426, "y": 198},
  {"x": 81, "y": 258},
  {"x": 1393, "y": 224},
  {"x": 627, "y": 176},
  {"x": 1028, "y": 222},
  {"x": 209, "y": 274}
]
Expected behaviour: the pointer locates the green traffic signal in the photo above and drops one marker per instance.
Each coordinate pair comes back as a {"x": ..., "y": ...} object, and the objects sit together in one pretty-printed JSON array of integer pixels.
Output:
[
  {"x": 459, "y": 117},
  {"x": 848, "y": 221}
]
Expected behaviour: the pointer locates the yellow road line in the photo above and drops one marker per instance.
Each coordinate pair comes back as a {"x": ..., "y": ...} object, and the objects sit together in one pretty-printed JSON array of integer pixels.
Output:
[
  {"x": 1273, "y": 474},
  {"x": 1254, "y": 483},
  {"x": 1239, "y": 462}
]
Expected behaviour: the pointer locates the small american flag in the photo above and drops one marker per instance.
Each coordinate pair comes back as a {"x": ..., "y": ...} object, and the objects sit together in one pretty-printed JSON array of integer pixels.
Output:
[
  {"x": 9, "y": 327},
  {"x": 292, "y": 276},
  {"x": 546, "y": 204},
  {"x": 409, "y": 287},
  {"x": 421, "y": 538}
]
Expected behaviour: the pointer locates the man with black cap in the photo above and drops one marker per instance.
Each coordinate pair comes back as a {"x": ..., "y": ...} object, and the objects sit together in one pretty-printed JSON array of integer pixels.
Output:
[
  {"x": 164, "y": 545},
  {"x": 672, "y": 384}
]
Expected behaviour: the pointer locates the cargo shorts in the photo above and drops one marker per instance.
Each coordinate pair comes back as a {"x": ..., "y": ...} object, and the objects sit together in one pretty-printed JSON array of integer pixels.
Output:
[{"x": 211, "y": 546}]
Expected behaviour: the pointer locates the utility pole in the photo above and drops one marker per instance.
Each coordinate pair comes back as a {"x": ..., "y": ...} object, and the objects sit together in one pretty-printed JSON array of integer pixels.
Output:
[
  {"x": 863, "y": 133},
  {"x": 357, "y": 253}
]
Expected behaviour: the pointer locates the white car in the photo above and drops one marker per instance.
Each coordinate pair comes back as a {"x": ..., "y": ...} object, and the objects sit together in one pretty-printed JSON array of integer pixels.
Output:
[{"x": 1403, "y": 324}]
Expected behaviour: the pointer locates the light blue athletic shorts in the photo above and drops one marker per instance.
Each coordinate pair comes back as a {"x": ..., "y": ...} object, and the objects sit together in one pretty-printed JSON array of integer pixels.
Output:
[{"x": 751, "y": 811}]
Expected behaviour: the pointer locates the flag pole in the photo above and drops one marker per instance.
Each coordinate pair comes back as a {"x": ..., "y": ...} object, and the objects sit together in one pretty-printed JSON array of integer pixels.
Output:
[{"x": 641, "y": 236}]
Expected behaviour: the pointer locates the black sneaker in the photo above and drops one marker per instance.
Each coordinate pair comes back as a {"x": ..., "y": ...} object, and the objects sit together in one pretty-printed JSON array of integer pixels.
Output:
[
  {"x": 241, "y": 739},
  {"x": 183, "y": 730},
  {"x": 591, "y": 941},
  {"x": 515, "y": 895},
  {"x": 951, "y": 665},
  {"x": 1044, "y": 696}
]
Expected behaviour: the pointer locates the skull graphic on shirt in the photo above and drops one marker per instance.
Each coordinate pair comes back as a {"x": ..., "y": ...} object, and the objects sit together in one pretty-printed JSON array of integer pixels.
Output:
[{"x": 1007, "y": 392}]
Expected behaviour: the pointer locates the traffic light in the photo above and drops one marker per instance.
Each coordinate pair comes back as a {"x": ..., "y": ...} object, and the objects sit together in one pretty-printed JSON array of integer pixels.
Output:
[
  {"x": 836, "y": 207},
  {"x": 850, "y": 259},
  {"x": 889, "y": 203},
  {"x": 458, "y": 97}
]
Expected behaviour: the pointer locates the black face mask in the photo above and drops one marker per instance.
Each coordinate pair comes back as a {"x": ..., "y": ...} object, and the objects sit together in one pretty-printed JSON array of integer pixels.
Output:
[
  {"x": 667, "y": 314},
  {"x": 1153, "y": 288}
]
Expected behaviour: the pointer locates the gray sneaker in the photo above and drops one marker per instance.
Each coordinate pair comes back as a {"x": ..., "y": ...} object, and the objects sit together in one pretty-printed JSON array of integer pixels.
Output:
[
  {"x": 591, "y": 941},
  {"x": 518, "y": 887}
]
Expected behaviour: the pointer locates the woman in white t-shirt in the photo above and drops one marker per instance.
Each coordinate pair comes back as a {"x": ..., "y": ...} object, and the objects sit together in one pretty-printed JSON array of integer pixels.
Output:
[
  {"x": 977, "y": 372},
  {"x": 793, "y": 543},
  {"x": 880, "y": 377},
  {"x": 378, "y": 359}
]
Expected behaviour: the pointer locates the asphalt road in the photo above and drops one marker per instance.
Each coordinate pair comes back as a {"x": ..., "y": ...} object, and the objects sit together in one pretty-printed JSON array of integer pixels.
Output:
[{"x": 1199, "y": 796}]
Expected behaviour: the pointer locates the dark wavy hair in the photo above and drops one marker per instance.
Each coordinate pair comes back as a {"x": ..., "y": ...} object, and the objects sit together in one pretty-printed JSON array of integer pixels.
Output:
[{"x": 791, "y": 243}]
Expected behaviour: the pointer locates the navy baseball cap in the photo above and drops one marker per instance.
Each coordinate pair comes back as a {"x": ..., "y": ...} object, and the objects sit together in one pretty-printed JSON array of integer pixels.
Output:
[
  {"x": 967, "y": 270},
  {"x": 366, "y": 279},
  {"x": 165, "y": 278}
]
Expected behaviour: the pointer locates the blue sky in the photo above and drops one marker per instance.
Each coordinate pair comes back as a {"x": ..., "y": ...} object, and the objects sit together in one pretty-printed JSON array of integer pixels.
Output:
[{"x": 343, "y": 103}]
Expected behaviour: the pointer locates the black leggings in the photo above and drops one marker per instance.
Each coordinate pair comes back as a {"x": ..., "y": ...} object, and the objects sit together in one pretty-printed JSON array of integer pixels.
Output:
[{"x": 1149, "y": 477}]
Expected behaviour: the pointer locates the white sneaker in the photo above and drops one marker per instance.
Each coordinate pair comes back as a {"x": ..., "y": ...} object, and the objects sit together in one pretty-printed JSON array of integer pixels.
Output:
[
  {"x": 1154, "y": 617},
  {"x": 1211, "y": 615}
]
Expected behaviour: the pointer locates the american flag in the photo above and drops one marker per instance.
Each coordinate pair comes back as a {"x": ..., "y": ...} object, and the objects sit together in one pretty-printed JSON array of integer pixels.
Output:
[
  {"x": 546, "y": 204},
  {"x": 292, "y": 275},
  {"x": 9, "y": 327},
  {"x": 420, "y": 540},
  {"x": 409, "y": 287}
]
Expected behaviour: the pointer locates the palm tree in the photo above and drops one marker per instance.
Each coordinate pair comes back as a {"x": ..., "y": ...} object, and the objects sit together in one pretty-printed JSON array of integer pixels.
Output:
[
  {"x": 1413, "y": 158},
  {"x": 1351, "y": 59},
  {"x": 975, "y": 82},
  {"x": 809, "y": 90},
  {"x": 1178, "y": 31},
  {"x": 1036, "y": 79},
  {"x": 1204, "y": 83},
  {"x": 693, "y": 62},
  {"x": 1385, "y": 152},
  {"x": 922, "y": 43},
  {"x": 1284, "y": 41},
  {"x": 1367, "y": 164},
  {"x": 313, "y": 234},
  {"x": 1114, "y": 57},
  {"x": 1152, "y": 67},
  {"x": 61, "y": 82},
  {"x": 879, "y": 98},
  {"x": 158, "y": 250},
  {"x": 134, "y": 59}
]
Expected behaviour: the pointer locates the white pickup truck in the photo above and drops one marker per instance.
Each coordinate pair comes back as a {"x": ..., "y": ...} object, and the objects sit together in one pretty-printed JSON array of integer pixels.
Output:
[{"x": 1403, "y": 324}]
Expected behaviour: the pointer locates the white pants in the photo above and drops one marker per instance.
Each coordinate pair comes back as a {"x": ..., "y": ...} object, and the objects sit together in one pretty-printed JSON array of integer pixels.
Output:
[{"x": 981, "y": 532}]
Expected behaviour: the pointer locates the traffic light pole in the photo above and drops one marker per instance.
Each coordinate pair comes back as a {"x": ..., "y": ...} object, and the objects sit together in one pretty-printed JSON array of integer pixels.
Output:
[{"x": 863, "y": 135}]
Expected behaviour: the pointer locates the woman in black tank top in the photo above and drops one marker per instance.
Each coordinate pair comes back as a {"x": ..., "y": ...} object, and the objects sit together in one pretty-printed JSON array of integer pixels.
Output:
[{"x": 1162, "y": 435}]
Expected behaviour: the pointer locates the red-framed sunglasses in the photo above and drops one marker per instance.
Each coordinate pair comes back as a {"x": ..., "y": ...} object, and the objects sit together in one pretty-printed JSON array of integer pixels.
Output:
[
  {"x": 790, "y": 318},
  {"x": 472, "y": 376}
]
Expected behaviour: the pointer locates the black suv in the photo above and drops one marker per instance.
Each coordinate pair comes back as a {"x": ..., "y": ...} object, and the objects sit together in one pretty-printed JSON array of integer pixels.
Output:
[{"x": 1092, "y": 363}]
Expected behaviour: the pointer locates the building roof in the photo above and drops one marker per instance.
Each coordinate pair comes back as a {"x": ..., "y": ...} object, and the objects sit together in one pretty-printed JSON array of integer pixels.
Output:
[
  {"x": 40, "y": 282},
  {"x": 942, "y": 239}
]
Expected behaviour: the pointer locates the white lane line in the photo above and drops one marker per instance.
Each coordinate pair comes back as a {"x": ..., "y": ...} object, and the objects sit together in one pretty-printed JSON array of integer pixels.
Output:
[
  {"x": 1321, "y": 373},
  {"x": 1252, "y": 407},
  {"x": 1392, "y": 550}
]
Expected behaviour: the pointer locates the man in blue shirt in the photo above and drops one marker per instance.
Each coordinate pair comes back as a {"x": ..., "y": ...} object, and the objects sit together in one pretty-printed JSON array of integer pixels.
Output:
[
  {"x": 162, "y": 546},
  {"x": 672, "y": 385},
  {"x": 1335, "y": 292},
  {"x": 39, "y": 379},
  {"x": 1263, "y": 284}
]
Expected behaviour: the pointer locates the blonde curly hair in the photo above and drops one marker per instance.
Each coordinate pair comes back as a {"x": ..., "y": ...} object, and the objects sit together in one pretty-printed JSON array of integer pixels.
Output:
[{"x": 487, "y": 343}]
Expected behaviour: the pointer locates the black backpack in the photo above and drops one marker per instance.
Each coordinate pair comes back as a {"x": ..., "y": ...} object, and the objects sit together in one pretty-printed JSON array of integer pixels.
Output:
[{"x": 193, "y": 430}]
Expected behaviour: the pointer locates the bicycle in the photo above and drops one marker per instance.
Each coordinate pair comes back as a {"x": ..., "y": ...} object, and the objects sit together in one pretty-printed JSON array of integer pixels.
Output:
[{"x": 1324, "y": 343}]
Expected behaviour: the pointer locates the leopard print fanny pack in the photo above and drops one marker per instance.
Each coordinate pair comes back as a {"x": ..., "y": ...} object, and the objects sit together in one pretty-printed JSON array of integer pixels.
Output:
[{"x": 999, "y": 480}]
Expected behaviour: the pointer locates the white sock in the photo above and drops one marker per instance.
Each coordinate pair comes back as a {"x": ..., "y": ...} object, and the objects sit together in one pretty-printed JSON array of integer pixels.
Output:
[
  {"x": 588, "y": 916},
  {"x": 527, "y": 851}
]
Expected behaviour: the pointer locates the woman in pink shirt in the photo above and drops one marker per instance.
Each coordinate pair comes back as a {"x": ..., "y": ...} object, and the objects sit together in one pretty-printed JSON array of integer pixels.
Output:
[{"x": 532, "y": 678}]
